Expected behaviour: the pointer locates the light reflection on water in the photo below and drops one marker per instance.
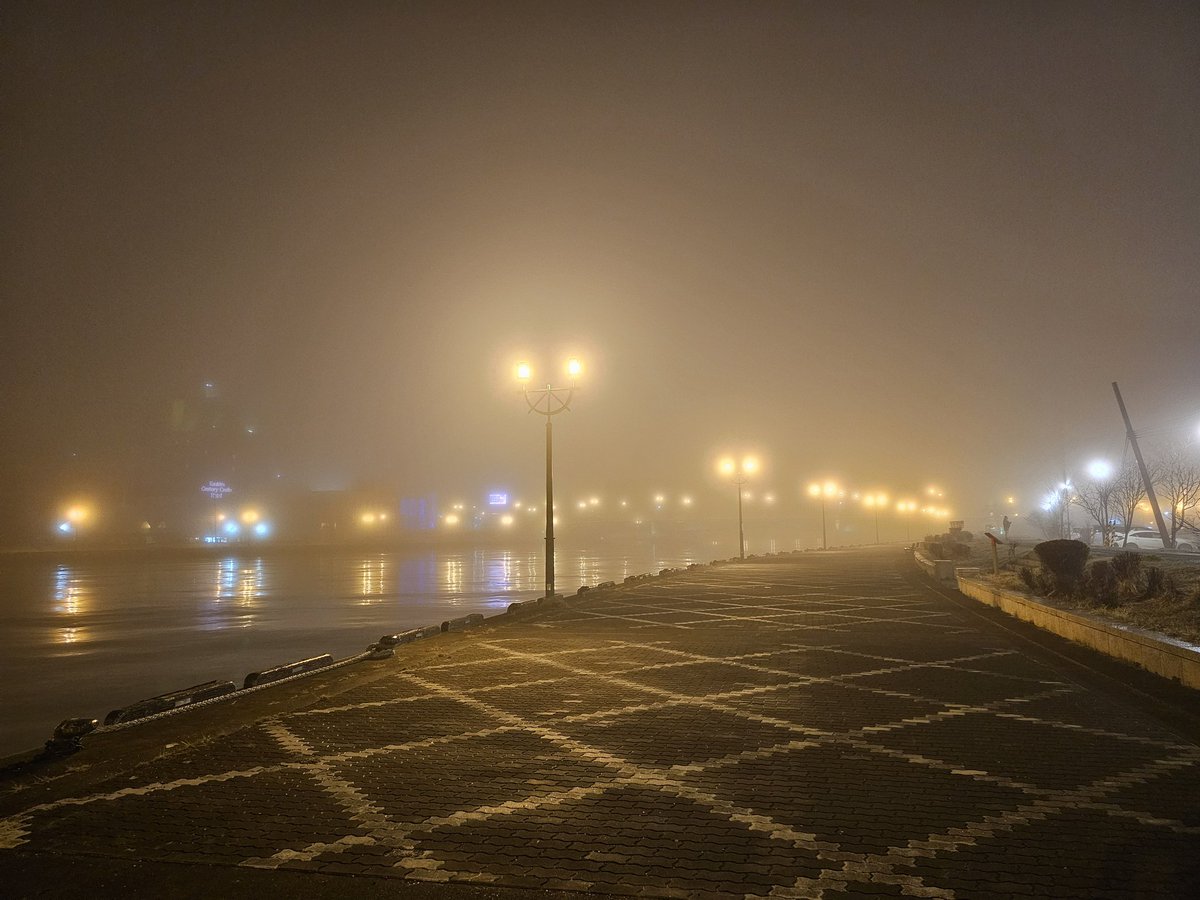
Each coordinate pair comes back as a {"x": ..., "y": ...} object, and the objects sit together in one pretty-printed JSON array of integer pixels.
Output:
[
  {"x": 237, "y": 593},
  {"x": 373, "y": 578},
  {"x": 70, "y": 602},
  {"x": 91, "y": 633}
]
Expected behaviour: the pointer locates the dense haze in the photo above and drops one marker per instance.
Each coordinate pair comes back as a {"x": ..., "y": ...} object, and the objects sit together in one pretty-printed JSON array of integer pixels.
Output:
[{"x": 891, "y": 243}]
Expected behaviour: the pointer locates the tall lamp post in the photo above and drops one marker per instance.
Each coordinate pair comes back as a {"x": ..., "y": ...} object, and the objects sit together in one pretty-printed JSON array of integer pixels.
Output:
[
  {"x": 875, "y": 501},
  {"x": 549, "y": 402},
  {"x": 828, "y": 489},
  {"x": 907, "y": 507},
  {"x": 739, "y": 472}
]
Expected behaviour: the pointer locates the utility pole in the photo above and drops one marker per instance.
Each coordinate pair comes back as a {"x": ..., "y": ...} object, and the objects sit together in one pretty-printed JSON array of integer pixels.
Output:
[{"x": 1137, "y": 454}]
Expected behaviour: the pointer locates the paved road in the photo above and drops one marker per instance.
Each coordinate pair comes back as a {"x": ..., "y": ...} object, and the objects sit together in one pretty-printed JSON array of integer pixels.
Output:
[{"x": 819, "y": 725}]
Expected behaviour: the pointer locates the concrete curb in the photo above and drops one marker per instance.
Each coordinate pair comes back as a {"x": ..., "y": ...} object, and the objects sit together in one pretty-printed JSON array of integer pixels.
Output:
[
  {"x": 1153, "y": 652},
  {"x": 937, "y": 569}
]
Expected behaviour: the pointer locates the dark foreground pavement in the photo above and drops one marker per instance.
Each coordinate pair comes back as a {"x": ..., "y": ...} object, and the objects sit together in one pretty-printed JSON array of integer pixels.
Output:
[{"x": 820, "y": 725}]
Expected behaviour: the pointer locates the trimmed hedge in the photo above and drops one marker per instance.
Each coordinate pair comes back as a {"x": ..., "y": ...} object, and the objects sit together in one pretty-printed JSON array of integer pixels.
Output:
[{"x": 1064, "y": 561}]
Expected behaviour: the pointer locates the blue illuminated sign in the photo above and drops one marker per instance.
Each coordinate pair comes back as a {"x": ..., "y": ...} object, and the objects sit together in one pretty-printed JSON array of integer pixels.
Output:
[{"x": 497, "y": 499}]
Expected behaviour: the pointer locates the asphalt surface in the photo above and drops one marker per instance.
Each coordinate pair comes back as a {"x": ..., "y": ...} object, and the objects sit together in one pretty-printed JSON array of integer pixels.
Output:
[{"x": 817, "y": 725}]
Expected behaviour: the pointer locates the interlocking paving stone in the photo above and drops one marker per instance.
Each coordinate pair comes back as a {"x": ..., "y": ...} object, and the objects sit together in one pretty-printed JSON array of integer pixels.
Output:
[
  {"x": 426, "y": 782},
  {"x": 1081, "y": 854},
  {"x": 1170, "y": 797},
  {"x": 633, "y": 835},
  {"x": 676, "y": 735},
  {"x": 228, "y": 819},
  {"x": 351, "y": 729},
  {"x": 862, "y": 801},
  {"x": 700, "y": 678},
  {"x": 566, "y": 695},
  {"x": 1028, "y": 752},
  {"x": 952, "y": 684},
  {"x": 812, "y": 726},
  {"x": 1081, "y": 709},
  {"x": 833, "y": 707},
  {"x": 500, "y": 670}
]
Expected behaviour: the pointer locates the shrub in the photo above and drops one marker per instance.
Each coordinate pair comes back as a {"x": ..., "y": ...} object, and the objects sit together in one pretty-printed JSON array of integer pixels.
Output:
[
  {"x": 1127, "y": 565},
  {"x": 1064, "y": 561},
  {"x": 1030, "y": 580},
  {"x": 1156, "y": 582},
  {"x": 1101, "y": 583},
  {"x": 1171, "y": 589}
]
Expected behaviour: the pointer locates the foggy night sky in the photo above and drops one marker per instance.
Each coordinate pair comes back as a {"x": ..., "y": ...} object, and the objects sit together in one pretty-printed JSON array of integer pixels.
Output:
[{"x": 892, "y": 243}]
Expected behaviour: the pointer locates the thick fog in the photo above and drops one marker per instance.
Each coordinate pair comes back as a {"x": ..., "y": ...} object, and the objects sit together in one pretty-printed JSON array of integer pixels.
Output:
[{"x": 892, "y": 245}]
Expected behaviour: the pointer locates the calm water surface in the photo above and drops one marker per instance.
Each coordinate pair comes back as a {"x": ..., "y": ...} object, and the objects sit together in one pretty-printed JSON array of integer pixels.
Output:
[{"x": 84, "y": 635}]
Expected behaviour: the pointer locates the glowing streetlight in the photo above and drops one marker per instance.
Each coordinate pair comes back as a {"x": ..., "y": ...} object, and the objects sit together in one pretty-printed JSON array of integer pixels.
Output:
[
  {"x": 549, "y": 402},
  {"x": 74, "y": 517},
  {"x": 827, "y": 489},
  {"x": 1100, "y": 469},
  {"x": 739, "y": 472}
]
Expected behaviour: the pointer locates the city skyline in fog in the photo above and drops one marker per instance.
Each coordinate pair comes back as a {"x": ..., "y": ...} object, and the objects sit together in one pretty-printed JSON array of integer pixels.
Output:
[{"x": 892, "y": 245}]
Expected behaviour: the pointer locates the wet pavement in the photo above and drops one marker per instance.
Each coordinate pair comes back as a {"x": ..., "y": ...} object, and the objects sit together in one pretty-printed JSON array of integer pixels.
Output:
[{"x": 811, "y": 725}]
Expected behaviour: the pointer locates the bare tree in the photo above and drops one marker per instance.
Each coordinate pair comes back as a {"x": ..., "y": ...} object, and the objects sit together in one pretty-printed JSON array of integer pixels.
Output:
[
  {"x": 1095, "y": 496},
  {"x": 1051, "y": 516},
  {"x": 1128, "y": 492},
  {"x": 1178, "y": 483}
]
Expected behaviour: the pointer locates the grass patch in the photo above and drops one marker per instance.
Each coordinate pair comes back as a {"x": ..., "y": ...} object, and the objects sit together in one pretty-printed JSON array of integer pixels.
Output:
[{"x": 1174, "y": 612}]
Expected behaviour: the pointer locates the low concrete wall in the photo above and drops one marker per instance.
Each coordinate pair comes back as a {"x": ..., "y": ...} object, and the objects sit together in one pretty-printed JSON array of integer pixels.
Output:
[
  {"x": 1152, "y": 652},
  {"x": 938, "y": 569}
]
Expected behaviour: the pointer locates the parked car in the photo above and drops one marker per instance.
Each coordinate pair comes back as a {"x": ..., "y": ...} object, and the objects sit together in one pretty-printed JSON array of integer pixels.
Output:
[{"x": 1145, "y": 539}]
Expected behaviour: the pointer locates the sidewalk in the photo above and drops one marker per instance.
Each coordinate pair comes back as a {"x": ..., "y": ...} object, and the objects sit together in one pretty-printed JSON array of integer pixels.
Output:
[{"x": 818, "y": 725}]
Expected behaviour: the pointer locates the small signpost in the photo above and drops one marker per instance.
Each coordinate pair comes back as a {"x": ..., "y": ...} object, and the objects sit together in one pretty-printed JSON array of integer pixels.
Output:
[{"x": 995, "y": 553}]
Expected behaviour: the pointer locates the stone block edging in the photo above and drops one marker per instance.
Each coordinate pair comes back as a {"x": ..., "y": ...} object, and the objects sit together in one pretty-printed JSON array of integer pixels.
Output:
[
  {"x": 1153, "y": 652},
  {"x": 937, "y": 569}
]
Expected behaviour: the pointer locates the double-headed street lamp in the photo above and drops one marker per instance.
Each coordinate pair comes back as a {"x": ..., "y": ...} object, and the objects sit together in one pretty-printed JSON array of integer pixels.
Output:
[
  {"x": 739, "y": 472},
  {"x": 549, "y": 402},
  {"x": 828, "y": 489}
]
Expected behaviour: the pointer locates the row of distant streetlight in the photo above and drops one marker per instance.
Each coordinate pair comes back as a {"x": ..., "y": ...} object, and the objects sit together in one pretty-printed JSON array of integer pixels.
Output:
[{"x": 551, "y": 401}]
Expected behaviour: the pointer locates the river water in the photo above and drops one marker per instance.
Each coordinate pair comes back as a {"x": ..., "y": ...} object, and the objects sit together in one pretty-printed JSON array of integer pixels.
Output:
[{"x": 84, "y": 634}]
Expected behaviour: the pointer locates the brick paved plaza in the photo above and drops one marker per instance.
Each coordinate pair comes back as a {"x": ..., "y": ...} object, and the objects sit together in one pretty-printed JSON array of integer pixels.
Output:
[{"x": 817, "y": 725}]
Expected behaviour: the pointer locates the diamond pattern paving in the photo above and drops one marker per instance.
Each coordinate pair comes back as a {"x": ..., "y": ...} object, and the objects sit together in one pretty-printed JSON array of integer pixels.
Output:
[{"x": 816, "y": 725}]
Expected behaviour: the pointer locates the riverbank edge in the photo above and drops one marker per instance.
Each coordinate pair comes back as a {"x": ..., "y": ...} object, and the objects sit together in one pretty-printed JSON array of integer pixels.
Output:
[{"x": 295, "y": 690}]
